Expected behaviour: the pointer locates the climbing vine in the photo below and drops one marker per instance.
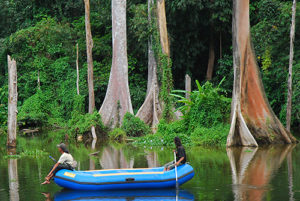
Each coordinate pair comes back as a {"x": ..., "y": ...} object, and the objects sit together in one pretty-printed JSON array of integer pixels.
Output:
[{"x": 164, "y": 64}]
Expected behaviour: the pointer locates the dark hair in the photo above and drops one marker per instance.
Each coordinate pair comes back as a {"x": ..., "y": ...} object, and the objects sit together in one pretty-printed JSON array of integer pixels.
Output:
[{"x": 177, "y": 142}]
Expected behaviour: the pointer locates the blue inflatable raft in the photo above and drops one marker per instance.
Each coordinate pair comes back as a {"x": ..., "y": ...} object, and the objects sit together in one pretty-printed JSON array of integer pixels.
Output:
[{"x": 110, "y": 179}]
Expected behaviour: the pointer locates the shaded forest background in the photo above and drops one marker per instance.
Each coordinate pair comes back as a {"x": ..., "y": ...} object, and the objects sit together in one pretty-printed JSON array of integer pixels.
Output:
[{"x": 42, "y": 37}]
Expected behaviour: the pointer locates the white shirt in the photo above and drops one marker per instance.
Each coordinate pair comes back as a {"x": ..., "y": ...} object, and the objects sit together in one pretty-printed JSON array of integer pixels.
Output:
[{"x": 66, "y": 158}]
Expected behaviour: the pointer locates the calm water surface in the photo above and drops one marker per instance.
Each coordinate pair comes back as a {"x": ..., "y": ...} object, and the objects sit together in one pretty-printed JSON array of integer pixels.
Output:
[{"x": 268, "y": 173}]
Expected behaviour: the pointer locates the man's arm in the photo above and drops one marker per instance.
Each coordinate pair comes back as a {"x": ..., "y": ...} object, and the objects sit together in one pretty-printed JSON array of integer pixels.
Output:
[{"x": 179, "y": 161}]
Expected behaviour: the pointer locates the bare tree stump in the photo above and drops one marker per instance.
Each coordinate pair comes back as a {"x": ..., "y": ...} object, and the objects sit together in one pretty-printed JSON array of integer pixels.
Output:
[
  {"x": 252, "y": 120},
  {"x": 12, "y": 103},
  {"x": 117, "y": 99},
  {"x": 188, "y": 86}
]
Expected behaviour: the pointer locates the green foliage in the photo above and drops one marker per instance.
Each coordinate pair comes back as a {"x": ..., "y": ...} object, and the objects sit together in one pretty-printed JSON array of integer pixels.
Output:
[
  {"x": 82, "y": 123},
  {"x": 216, "y": 135},
  {"x": 117, "y": 134},
  {"x": 134, "y": 127}
]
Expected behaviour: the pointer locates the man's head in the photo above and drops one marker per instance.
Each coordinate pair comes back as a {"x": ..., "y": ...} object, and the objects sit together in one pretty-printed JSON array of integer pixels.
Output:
[{"x": 62, "y": 148}]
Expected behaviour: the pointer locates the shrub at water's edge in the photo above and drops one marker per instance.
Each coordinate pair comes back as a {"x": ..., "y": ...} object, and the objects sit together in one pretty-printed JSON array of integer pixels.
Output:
[
  {"x": 204, "y": 122},
  {"x": 134, "y": 127}
]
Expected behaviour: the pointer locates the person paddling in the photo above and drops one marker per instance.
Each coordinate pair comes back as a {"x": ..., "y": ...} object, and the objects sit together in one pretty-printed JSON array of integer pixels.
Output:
[
  {"x": 65, "y": 162},
  {"x": 180, "y": 156}
]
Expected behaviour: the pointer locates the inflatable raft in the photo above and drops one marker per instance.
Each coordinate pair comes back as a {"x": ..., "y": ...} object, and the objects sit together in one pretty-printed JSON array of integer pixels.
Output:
[
  {"x": 125, "y": 195},
  {"x": 110, "y": 179}
]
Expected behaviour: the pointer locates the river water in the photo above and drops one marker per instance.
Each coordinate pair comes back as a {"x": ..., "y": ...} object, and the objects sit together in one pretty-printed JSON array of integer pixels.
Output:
[{"x": 255, "y": 174}]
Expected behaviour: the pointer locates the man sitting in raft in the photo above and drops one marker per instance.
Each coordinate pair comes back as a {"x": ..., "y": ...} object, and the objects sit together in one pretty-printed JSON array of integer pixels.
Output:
[
  {"x": 180, "y": 156},
  {"x": 65, "y": 162}
]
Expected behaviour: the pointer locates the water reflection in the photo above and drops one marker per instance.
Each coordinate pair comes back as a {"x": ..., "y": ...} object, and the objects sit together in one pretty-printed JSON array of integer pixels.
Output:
[
  {"x": 125, "y": 195},
  {"x": 13, "y": 180},
  {"x": 113, "y": 158},
  {"x": 253, "y": 168},
  {"x": 152, "y": 159}
]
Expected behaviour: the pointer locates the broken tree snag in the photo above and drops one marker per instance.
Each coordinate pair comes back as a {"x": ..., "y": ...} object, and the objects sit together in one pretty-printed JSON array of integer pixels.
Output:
[
  {"x": 211, "y": 57},
  {"x": 188, "y": 87},
  {"x": 150, "y": 112},
  {"x": 252, "y": 120},
  {"x": 89, "y": 47},
  {"x": 117, "y": 99},
  {"x": 12, "y": 102}
]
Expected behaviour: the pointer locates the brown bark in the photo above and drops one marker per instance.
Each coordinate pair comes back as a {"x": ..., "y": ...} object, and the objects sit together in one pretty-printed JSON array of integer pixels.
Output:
[
  {"x": 253, "y": 122},
  {"x": 211, "y": 57},
  {"x": 12, "y": 102},
  {"x": 254, "y": 167},
  {"x": 77, "y": 69},
  {"x": 117, "y": 99},
  {"x": 89, "y": 47},
  {"x": 290, "y": 82},
  {"x": 150, "y": 112}
]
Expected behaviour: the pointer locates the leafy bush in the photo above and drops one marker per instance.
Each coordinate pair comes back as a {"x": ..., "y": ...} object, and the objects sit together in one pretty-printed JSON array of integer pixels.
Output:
[
  {"x": 117, "y": 134},
  {"x": 82, "y": 123},
  {"x": 133, "y": 126},
  {"x": 210, "y": 136}
]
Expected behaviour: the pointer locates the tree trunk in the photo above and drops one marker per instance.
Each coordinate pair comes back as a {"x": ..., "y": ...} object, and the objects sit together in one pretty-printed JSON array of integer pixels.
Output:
[
  {"x": 221, "y": 45},
  {"x": 77, "y": 69},
  {"x": 162, "y": 26},
  {"x": 13, "y": 180},
  {"x": 252, "y": 121},
  {"x": 290, "y": 82},
  {"x": 117, "y": 99},
  {"x": 150, "y": 112},
  {"x": 12, "y": 102},
  {"x": 38, "y": 80},
  {"x": 89, "y": 47},
  {"x": 211, "y": 57}
]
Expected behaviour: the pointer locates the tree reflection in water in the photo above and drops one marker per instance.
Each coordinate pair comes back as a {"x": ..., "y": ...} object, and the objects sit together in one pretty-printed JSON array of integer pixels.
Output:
[
  {"x": 13, "y": 177},
  {"x": 113, "y": 158},
  {"x": 253, "y": 168}
]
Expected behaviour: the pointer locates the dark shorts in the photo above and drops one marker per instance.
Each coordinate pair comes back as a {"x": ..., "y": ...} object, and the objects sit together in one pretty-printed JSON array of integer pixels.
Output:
[
  {"x": 171, "y": 165},
  {"x": 62, "y": 166}
]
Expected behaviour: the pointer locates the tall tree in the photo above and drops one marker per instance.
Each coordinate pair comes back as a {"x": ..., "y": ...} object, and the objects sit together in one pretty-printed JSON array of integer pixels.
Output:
[
  {"x": 162, "y": 27},
  {"x": 253, "y": 122},
  {"x": 12, "y": 103},
  {"x": 290, "y": 82},
  {"x": 151, "y": 111},
  {"x": 89, "y": 47},
  {"x": 117, "y": 100}
]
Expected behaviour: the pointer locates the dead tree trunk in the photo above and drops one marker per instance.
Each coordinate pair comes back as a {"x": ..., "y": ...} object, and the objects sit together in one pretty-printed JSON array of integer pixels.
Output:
[
  {"x": 89, "y": 47},
  {"x": 290, "y": 82},
  {"x": 77, "y": 69},
  {"x": 117, "y": 99},
  {"x": 151, "y": 111},
  {"x": 211, "y": 57},
  {"x": 252, "y": 121},
  {"x": 188, "y": 87},
  {"x": 12, "y": 103}
]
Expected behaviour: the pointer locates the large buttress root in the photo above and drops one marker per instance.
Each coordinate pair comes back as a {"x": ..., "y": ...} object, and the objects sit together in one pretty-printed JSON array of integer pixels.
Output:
[{"x": 253, "y": 121}]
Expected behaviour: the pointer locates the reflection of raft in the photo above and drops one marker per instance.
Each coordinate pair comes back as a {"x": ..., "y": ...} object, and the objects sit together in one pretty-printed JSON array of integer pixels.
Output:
[
  {"x": 125, "y": 195},
  {"x": 123, "y": 178}
]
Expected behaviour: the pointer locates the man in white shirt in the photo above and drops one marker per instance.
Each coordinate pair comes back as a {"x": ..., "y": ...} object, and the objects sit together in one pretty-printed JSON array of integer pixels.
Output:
[{"x": 65, "y": 162}]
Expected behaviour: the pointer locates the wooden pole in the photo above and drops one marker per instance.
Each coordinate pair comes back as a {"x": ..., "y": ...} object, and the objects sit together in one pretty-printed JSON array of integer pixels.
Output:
[{"x": 12, "y": 102}]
